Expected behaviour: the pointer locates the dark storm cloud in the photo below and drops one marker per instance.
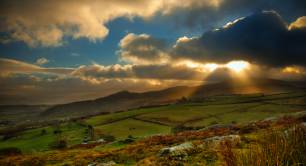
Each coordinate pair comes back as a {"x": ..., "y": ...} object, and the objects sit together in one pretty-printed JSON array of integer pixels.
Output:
[
  {"x": 262, "y": 38},
  {"x": 207, "y": 18}
]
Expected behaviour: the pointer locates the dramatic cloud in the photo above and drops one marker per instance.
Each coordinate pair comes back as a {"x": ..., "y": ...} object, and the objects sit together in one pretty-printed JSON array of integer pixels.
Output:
[
  {"x": 262, "y": 38},
  {"x": 24, "y": 83},
  {"x": 45, "y": 23},
  {"x": 208, "y": 18},
  {"x": 299, "y": 23},
  {"x": 262, "y": 44},
  {"x": 143, "y": 49}
]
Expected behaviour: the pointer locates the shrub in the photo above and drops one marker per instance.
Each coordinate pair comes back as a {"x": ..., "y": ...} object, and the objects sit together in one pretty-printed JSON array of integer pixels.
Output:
[
  {"x": 10, "y": 151},
  {"x": 181, "y": 128},
  {"x": 59, "y": 144},
  {"x": 277, "y": 148},
  {"x": 128, "y": 140},
  {"x": 57, "y": 131},
  {"x": 247, "y": 129},
  {"x": 228, "y": 154},
  {"x": 10, "y": 135},
  {"x": 108, "y": 138},
  {"x": 33, "y": 161},
  {"x": 213, "y": 123},
  {"x": 43, "y": 132}
]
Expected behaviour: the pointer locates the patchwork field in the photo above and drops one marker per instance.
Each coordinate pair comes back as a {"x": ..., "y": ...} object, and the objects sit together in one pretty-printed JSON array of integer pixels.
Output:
[
  {"x": 144, "y": 122},
  {"x": 40, "y": 139},
  {"x": 131, "y": 127}
]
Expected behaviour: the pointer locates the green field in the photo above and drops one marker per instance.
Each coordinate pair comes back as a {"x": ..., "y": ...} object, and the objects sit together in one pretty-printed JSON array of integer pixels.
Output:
[
  {"x": 160, "y": 120},
  {"x": 132, "y": 127},
  {"x": 34, "y": 140}
]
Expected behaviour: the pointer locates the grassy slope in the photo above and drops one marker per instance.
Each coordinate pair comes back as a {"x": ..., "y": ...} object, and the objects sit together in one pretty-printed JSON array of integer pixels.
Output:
[
  {"x": 159, "y": 120},
  {"x": 109, "y": 118},
  {"x": 33, "y": 140},
  {"x": 135, "y": 128}
]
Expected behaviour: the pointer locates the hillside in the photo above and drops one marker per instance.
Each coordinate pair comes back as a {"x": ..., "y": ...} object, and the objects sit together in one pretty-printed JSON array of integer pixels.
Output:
[
  {"x": 125, "y": 100},
  {"x": 142, "y": 136}
]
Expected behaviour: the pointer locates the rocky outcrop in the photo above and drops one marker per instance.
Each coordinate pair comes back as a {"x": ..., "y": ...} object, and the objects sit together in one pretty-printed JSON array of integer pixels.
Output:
[
  {"x": 180, "y": 152},
  {"x": 216, "y": 140}
]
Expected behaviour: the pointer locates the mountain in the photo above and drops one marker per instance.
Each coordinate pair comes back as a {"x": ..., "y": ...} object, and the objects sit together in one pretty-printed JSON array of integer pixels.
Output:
[
  {"x": 120, "y": 101},
  {"x": 125, "y": 100},
  {"x": 13, "y": 114}
]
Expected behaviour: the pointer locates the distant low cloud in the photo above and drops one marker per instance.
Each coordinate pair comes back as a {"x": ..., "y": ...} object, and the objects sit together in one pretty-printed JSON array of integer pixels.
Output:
[
  {"x": 159, "y": 72},
  {"x": 24, "y": 83},
  {"x": 10, "y": 66}
]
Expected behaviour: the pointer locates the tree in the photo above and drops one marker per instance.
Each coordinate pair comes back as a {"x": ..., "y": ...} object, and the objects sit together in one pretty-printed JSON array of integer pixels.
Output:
[
  {"x": 43, "y": 132},
  {"x": 91, "y": 132}
]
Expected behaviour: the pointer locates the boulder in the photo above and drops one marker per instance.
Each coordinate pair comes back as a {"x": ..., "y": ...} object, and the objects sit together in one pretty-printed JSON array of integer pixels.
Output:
[
  {"x": 109, "y": 163},
  {"x": 216, "y": 140},
  {"x": 178, "y": 152}
]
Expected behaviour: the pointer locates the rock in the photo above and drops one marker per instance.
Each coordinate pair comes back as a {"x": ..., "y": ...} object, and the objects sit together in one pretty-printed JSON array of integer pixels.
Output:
[
  {"x": 101, "y": 140},
  {"x": 234, "y": 139},
  {"x": 270, "y": 119},
  {"x": 178, "y": 152},
  {"x": 110, "y": 163}
]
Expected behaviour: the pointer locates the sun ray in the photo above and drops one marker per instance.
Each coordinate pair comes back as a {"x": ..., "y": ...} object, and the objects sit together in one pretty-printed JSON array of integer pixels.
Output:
[{"x": 238, "y": 66}]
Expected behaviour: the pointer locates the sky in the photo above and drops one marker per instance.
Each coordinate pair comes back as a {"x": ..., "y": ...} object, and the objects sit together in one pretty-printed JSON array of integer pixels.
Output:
[{"x": 62, "y": 51}]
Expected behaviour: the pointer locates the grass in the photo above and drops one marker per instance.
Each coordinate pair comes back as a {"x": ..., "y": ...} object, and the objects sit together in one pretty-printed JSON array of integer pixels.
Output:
[
  {"x": 108, "y": 118},
  {"x": 245, "y": 113},
  {"x": 159, "y": 120},
  {"x": 182, "y": 113},
  {"x": 281, "y": 142},
  {"x": 276, "y": 147},
  {"x": 135, "y": 128},
  {"x": 32, "y": 140}
]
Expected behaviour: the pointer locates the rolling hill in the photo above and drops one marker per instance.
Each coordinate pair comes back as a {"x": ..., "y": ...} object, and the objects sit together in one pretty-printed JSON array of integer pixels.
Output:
[{"x": 125, "y": 100}]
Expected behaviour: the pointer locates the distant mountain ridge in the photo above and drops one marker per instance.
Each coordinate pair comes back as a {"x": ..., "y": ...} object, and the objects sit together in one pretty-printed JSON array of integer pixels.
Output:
[{"x": 126, "y": 100}]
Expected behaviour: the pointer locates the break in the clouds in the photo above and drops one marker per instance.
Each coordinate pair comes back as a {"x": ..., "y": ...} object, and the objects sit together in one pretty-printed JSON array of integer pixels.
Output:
[
  {"x": 46, "y": 23},
  {"x": 207, "y": 18},
  {"x": 263, "y": 38}
]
